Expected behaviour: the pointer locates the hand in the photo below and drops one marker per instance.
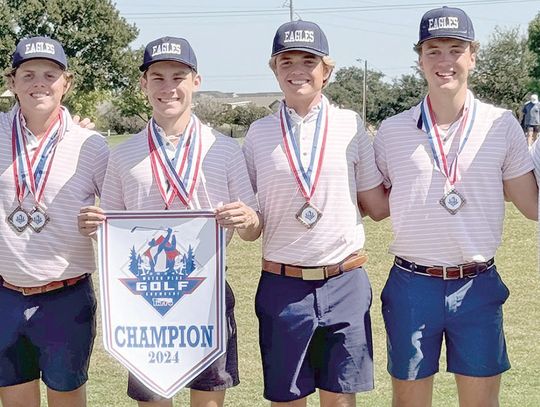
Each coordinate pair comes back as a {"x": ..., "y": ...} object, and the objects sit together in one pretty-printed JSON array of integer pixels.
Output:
[
  {"x": 89, "y": 218},
  {"x": 236, "y": 215},
  {"x": 86, "y": 123}
]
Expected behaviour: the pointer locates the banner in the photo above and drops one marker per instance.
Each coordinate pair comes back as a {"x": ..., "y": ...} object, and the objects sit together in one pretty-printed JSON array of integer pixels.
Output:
[{"x": 162, "y": 284}]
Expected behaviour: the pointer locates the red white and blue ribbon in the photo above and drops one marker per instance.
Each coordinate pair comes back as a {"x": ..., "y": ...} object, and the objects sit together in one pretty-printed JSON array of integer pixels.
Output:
[
  {"x": 176, "y": 177},
  {"x": 429, "y": 125},
  {"x": 307, "y": 178},
  {"x": 32, "y": 172}
]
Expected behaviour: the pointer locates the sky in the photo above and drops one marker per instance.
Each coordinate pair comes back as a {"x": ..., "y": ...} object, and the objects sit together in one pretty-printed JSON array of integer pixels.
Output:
[{"x": 233, "y": 38}]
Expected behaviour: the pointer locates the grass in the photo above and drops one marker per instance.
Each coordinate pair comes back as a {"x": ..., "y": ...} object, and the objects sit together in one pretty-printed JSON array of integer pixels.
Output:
[{"x": 516, "y": 261}]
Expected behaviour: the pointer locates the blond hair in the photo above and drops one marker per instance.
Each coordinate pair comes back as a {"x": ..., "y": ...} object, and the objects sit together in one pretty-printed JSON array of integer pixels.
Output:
[{"x": 328, "y": 63}]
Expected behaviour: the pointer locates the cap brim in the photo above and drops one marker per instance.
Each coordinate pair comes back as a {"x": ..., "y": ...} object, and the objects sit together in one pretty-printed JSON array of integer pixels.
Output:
[
  {"x": 145, "y": 67},
  {"x": 62, "y": 66},
  {"x": 454, "y": 36},
  {"x": 308, "y": 50}
]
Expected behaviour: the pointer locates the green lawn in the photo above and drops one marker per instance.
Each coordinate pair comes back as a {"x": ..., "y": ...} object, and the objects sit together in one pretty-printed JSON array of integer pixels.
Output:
[{"x": 516, "y": 261}]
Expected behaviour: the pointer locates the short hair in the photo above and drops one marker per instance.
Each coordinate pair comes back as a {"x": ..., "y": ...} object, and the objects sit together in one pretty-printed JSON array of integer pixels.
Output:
[
  {"x": 475, "y": 46},
  {"x": 328, "y": 62}
]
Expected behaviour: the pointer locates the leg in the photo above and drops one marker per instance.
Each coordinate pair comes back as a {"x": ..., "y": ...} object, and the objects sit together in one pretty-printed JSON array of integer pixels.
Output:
[
  {"x": 296, "y": 403},
  {"x": 478, "y": 391},
  {"x": 329, "y": 399},
  {"x": 200, "y": 398},
  {"x": 74, "y": 398},
  {"x": 286, "y": 326},
  {"x": 412, "y": 393},
  {"x": 21, "y": 395}
]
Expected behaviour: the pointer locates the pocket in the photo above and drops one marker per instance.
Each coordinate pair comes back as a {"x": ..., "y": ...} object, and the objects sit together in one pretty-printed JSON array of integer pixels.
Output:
[{"x": 502, "y": 289}]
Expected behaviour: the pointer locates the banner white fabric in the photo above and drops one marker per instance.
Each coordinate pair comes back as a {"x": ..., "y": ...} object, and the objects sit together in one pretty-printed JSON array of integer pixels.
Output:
[{"x": 162, "y": 284}]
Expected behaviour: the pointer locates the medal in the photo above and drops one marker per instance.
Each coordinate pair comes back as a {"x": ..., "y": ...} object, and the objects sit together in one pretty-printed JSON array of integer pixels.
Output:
[
  {"x": 177, "y": 177},
  {"x": 31, "y": 172},
  {"x": 306, "y": 178},
  {"x": 308, "y": 215},
  {"x": 452, "y": 201},
  {"x": 38, "y": 219},
  {"x": 18, "y": 219}
]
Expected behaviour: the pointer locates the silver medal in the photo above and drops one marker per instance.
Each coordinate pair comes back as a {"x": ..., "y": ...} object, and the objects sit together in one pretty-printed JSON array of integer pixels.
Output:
[
  {"x": 19, "y": 219},
  {"x": 308, "y": 215},
  {"x": 452, "y": 201},
  {"x": 38, "y": 219}
]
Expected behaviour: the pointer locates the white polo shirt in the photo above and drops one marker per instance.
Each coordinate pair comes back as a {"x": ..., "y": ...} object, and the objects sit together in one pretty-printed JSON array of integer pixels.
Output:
[
  {"x": 348, "y": 167},
  {"x": 59, "y": 251},
  {"x": 424, "y": 231},
  {"x": 130, "y": 185},
  {"x": 535, "y": 154}
]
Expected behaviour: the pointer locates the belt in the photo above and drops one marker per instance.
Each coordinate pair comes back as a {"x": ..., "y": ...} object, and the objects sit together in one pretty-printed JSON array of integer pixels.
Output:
[
  {"x": 54, "y": 285},
  {"x": 351, "y": 262},
  {"x": 446, "y": 272}
]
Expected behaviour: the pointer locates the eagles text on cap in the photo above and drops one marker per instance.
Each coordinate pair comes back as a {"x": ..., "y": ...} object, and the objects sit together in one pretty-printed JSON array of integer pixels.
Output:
[
  {"x": 166, "y": 48},
  {"x": 299, "y": 36}
]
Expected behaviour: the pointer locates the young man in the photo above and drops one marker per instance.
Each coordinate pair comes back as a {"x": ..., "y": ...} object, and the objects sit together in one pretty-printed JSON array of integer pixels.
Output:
[
  {"x": 49, "y": 168},
  {"x": 310, "y": 163},
  {"x": 531, "y": 119},
  {"x": 450, "y": 162},
  {"x": 169, "y": 79}
]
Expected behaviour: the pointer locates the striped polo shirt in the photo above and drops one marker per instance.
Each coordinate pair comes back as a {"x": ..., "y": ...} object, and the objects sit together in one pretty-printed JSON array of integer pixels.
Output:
[
  {"x": 59, "y": 251},
  {"x": 130, "y": 185},
  {"x": 348, "y": 166},
  {"x": 424, "y": 231}
]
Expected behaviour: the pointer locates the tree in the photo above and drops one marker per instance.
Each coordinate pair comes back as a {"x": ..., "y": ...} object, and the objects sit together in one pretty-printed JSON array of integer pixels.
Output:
[
  {"x": 346, "y": 91},
  {"x": 245, "y": 115},
  {"x": 130, "y": 101},
  {"x": 534, "y": 47},
  {"x": 94, "y": 36},
  {"x": 407, "y": 91},
  {"x": 210, "y": 110},
  {"x": 502, "y": 74}
]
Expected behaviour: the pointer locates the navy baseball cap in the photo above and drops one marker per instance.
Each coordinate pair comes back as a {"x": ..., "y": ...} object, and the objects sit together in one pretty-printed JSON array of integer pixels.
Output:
[
  {"x": 169, "y": 49},
  {"x": 446, "y": 22},
  {"x": 300, "y": 36},
  {"x": 39, "y": 47}
]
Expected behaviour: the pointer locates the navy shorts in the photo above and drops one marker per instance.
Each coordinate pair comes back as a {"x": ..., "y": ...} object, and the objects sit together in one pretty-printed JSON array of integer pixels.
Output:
[
  {"x": 49, "y": 335},
  {"x": 315, "y": 334},
  {"x": 420, "y": 310},
  {"x": 220, "y": 375}
]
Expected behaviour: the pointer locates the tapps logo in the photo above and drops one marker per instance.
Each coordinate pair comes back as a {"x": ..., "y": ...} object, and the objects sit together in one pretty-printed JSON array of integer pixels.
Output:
[{"x": 162, "y": 272}]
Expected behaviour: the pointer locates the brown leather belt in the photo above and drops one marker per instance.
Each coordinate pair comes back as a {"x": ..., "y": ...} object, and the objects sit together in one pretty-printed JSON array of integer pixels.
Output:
[
  {"x": 351, "y": 262},
  {"x": 446, "y": 272},
  {"x": 54, "y": 285}
]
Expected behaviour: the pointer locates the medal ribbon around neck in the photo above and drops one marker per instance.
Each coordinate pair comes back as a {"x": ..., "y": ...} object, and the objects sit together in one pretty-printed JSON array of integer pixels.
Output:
[
  {"x": 465, "y": 126},
  {"x": 32, "y": 173},
  {"x": 308, "y": 178},
  {"x": 178, "y": 178}
]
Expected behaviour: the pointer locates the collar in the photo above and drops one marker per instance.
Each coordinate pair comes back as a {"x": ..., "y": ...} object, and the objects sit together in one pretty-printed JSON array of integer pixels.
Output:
[{"x": 312, "y": 114}]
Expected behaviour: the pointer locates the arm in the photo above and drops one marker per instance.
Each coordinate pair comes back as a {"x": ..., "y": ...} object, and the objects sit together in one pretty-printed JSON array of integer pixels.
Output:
[
  {"x": 523, "y": 192},
  {"x": 374, "y": 202}
]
